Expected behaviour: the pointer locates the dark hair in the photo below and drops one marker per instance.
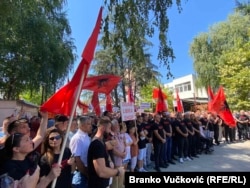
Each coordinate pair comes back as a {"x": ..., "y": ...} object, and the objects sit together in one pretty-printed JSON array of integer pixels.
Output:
[
  {"x": 105, "y": 113},
  {"x": 83, "y": 119},
  {"x": 47, "y": 150},
  {"x": 12, "y": 141},
  {"x": 103, "y": 121},
  {"x": 61, "y": 118},
  {"x": 13, "y": 125}
]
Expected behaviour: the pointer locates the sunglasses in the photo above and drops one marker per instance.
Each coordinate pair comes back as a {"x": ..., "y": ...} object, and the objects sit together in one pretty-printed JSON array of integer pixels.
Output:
[
  {"x": 22, "y": 120},
  {"x": 13, "y": 137},
  {"x": 55, "y": 137},
  {"x": 19, "y": 121}
]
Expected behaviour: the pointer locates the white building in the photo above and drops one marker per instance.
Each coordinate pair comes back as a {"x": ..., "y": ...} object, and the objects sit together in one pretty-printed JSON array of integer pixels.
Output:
[{"x": 188, "y": 93}]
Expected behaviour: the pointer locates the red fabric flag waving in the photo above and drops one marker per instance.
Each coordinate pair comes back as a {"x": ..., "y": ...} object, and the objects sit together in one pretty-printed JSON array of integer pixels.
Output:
[
  {"x": 95, "y": 104},
  {"x": 109, "y": 103},
  {"x": 130, "y": 95},
  {"x": 62, "y": 102},
  {"x": 219, "y": 105},
  {"x": 83, "y": 106},
  {"x": 156, "y": 93},
  {"x": 179, "y": 105},
  {"x": 160, "y": 105},
  {"x": 210, "y": 99}
]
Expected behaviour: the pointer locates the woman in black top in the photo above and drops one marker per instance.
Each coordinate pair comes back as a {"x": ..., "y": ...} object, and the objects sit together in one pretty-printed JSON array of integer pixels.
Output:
[
  {"x": 51, "y": 149},
  {"x": 21, "y": 159}
]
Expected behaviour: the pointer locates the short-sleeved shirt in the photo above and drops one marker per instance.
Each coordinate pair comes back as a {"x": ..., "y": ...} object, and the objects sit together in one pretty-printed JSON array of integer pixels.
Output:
[
  {"x": 142, "y": 140},
  {"x": 97, "y": 150},
  {"x": 166, "y": 124},
  {"x": 189, "y": 124},
  {"x": 148, "y": 126},
  {"x": 181, "y": 126},
  {"x": 79, "y": 145},
  {"x": 242, "y": 118},
  {"x": 160, "y": 129}
]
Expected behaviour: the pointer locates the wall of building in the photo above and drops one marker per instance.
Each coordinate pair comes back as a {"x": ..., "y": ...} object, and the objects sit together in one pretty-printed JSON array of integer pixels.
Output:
[
  {"x": 186, "y": 88},
  {"x": 13, "y": 107}
]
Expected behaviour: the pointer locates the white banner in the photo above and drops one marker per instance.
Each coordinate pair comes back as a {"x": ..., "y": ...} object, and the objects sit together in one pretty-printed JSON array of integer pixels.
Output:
[
  {"x": 127, "y": 111},
  {"x": 144, "y": 105}
]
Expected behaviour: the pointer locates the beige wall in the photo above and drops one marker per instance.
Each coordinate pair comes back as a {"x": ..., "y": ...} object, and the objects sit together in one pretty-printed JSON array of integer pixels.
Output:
[{"x": 8, "y": 108}]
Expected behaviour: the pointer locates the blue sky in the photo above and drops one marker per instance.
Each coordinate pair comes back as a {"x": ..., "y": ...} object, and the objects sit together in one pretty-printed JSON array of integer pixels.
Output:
[{"x": 196, "y": 17}]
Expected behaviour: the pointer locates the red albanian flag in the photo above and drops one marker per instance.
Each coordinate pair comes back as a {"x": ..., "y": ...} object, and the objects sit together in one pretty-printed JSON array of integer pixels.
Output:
[
  {"x": 179, "y": 103},
  {"x": 156, "y": 93},
  {"x": 101, "y": 83},
  {"x": 62, "y": 102},
  {"x": 130, "y": 95},
  {"x": 84, "y": 107},
  {"x": 160, "y": 105},
  {"x": 219, "y": 105},
  {"x": 210, "y": 99},
  {"x": 109, "y": 103},
  {"x": 95, "y": 104}
]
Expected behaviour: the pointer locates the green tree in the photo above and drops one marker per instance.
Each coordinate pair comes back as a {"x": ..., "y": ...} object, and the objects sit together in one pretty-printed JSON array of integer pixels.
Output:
[
  {"x": 235, "y": 75},
  {"x": 137, "y": 20},
  {"x": 35, "y": 47},
  {"x": 207, "y": 49},
  {"x": 136, "y": 72}
]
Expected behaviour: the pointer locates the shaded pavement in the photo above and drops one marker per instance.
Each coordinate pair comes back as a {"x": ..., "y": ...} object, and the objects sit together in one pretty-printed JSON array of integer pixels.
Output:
[{"x": 234, "y": 157}]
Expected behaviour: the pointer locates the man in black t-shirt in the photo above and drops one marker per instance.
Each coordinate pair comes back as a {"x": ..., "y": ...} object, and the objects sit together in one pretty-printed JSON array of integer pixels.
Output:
[
  {"x": 100, "y": 167},
  {"x": 242, "y": 125},
  {"x": 181, "y": 136},
  {"x": 167, "y": 125},
  {"x": 159, "y": 139}
]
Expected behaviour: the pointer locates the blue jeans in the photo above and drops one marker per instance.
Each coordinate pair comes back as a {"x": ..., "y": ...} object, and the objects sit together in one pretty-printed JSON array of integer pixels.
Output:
[
  {"x": 79, "y": 180},
  {"x": 169, "y": 148}
]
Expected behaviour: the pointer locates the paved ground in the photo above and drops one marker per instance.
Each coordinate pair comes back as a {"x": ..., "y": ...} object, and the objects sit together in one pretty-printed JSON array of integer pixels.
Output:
[{"x": 233, "y": 157}]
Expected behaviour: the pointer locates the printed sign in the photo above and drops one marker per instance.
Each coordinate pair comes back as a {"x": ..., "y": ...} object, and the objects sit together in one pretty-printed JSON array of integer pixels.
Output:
[
  {"x": 145, "y": 105},
  {"x": 127, "y": 111}
]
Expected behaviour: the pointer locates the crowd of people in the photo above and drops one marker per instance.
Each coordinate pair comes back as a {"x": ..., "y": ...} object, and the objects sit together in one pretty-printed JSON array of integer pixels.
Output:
[{"x": 99, "y": 150}]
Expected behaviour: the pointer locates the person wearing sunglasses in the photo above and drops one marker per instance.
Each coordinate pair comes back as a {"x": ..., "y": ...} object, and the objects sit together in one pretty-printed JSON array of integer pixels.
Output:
[
  {"x": 51, "y": 149},
  {"x": 18, "y": 161}
]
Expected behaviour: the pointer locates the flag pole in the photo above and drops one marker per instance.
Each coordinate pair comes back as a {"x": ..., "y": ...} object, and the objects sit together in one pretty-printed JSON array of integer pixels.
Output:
[{"x": 71, "y": 119}]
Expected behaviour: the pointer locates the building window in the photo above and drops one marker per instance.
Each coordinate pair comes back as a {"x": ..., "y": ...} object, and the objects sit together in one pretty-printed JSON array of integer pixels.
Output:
[{"x": 183, "y": 87}]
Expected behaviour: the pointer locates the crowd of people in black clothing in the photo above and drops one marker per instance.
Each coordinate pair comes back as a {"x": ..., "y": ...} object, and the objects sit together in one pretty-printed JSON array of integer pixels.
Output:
[{"x": 99, "y": 150}]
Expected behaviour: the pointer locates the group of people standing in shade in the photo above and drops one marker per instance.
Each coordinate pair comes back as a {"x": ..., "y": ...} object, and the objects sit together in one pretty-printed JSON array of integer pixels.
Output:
[{"x": 99, "y": 150}]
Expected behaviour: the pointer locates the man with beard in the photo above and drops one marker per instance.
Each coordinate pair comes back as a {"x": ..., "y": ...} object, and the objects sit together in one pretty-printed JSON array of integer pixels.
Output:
[{"x": 100, "y": 167}]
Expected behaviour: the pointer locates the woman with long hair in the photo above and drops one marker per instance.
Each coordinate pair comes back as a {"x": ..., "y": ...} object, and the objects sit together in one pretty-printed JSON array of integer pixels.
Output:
[
  {"x": 51, "y": 149},
  {"x": 20, "y": 160}
]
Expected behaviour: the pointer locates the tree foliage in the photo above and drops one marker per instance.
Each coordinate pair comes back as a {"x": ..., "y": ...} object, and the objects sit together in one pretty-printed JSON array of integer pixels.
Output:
[
  {"x": 134, "y": 21},
  {"x": 35, "y": 46},
  {"x": 235, "y": 75},
  {"x": 211, "y": 51},
  {"x": 134, "y": 72}
]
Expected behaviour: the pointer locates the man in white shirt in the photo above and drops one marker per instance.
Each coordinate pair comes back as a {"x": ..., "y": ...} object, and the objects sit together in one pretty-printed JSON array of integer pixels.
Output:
[{"x": 79, "y": 145}]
